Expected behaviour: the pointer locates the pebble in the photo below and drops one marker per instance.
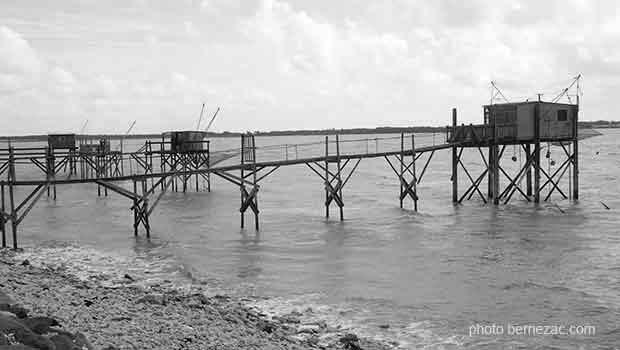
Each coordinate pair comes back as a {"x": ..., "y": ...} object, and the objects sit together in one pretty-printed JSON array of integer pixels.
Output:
[{"x": 101, "y": 314}]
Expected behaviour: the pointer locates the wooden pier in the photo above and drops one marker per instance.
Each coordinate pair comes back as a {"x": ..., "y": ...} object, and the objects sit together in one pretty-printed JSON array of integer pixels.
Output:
[{"x": 181, "y": 159}]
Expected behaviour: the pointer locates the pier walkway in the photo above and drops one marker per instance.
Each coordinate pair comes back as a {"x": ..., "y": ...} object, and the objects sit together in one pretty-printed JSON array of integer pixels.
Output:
[{"x": 143, "y": 176}]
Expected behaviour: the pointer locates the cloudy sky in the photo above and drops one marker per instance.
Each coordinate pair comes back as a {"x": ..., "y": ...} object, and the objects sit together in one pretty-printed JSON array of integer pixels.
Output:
[{"x": 293, "y": 64}]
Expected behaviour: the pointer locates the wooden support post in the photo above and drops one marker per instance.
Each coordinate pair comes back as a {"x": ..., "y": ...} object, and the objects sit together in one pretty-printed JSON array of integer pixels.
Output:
[
  {"x": 249, "y": 199},
  {"x": 537, "y": 153},
  {"x": 326, "y": 177},
  {"x": 184, "y": 173},
  {"x": 339, "y": 178},
  {"x": 576, "y": 156},
  {"x": 2, "y": 222},
  {"x": 52, "y": 169},
  {"x": 48, "y": 166},
  {"x": 402, "y": 165},
  {"x": 242, "y": 187},
  {"x": 13, "y": 215},
  {"x": 415, "y": 177},
  {"x": 255, "y": 207},
  {"x": 209, "y": 166},
  {"x": 145, "y": 208},
  {"x": 197, "y": 168},
  {"x": 495, "y": 170},
  {"x": 528, "y": 174},
  {"x": 490, "y": 174},
  {"x": 455, "y": 182},
  {"x": 135, "y": 209}
]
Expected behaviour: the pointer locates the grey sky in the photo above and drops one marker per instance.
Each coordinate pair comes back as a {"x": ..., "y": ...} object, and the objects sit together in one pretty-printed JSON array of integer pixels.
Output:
[{"x": 294, "y": 64}]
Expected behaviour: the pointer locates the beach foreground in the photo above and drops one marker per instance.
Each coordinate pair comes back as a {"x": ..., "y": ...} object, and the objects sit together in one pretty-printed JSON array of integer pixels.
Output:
[{"x": 46, "y": 308}]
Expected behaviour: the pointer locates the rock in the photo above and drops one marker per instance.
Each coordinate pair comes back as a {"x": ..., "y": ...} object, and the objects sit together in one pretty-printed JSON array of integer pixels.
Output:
[
  {"x": 120, "y": 318},
  {"x": 3, "y": 339},
  {"x": 308, "y": 328},
  {"x": 384, "y": 326},
  {"x": 17, "y": 310},
  {"x": 155, "y": 298},
  {"x": 81, "y": 341},
  {"x": 25, "y": 263},
  {"x": 40, "y": 325},
  {"x": 265, "y": 326},
  {"x": 8, "y": 314},
  {"x": 23, "y": 334},
  {"x": 63, "y": 342},
  {"x": 128, "y": 277},
  {"x": 314, "y": 340},
  {"x": 349, "y": 341},
  {"x": 287, "y": 319},
  {"x": 110, "y": 347},
  {"x": 5, "y": 299}
]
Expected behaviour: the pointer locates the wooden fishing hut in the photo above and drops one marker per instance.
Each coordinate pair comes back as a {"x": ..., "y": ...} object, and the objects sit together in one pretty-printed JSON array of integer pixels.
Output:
[
  {"x": 97, "y": 159},
  {"x": 527, "y": 126},
  {"x": 184, "y": 151}
]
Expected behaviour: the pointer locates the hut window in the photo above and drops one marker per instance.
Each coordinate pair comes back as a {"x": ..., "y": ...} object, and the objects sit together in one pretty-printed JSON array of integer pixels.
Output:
[{"x": 562, "y": 115}]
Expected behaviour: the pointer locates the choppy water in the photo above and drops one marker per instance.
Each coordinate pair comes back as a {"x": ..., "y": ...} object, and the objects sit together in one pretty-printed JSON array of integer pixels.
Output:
[{"x": 429, "y": 275}]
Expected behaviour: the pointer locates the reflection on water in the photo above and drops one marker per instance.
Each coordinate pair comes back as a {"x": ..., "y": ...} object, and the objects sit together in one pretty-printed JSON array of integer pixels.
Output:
[{"x": 429, "y": 275}]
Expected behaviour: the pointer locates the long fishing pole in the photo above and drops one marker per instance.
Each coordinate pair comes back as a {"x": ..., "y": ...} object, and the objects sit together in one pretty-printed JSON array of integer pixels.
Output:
[
  {"x": 202, "y": 109},
  {"x": 212, "y": 119}
]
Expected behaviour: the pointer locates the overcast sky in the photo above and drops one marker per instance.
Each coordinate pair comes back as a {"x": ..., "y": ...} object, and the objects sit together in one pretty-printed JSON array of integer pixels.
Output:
[{"x": 292, "y": 64}]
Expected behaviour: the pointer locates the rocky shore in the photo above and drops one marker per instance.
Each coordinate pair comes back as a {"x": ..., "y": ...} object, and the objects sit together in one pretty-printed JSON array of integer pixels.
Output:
[{"x": 45, "y": 308}]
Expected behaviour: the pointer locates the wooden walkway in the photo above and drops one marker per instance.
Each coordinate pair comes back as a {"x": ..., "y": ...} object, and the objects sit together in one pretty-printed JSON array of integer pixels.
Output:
[{"x": 156, "y": 168}]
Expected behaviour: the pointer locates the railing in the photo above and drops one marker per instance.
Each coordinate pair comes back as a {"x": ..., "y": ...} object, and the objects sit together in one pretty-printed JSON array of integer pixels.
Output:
[
  {"x": 480, "y": 133},
  {"x": 149, "y": 157},
  {"x": 348, "y": 145}
]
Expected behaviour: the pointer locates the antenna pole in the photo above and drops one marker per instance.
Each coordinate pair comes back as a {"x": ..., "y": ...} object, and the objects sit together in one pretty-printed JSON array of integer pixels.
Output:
[
  {"x": 499, "y": 92},
  {"x": 202, "y": 109},
  {"x": 578, "y": 89},
  {"x": 212, "y": 119}
]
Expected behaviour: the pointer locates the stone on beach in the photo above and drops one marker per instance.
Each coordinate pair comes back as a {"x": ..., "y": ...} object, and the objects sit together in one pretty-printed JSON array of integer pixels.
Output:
[
  {"x": 10, "y": 325},
  {"x": 154, "y": 298},
  {"x": 5, "y": 299},
  {"x": 131, "y": 316},
  {"x": 40, "y": 324},
  {"x": 308, "y": 328}
]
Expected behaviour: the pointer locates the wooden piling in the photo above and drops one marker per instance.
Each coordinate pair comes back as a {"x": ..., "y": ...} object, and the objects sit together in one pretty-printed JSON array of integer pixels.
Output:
[
  {"x": 455, "y": 182},
  {"x": 537, "y": 153},
  {"x": 415, "y": 177},
  {"x": 402, "y": 165},
  {"x": 242, "y": 178},
  {"x": 528, "y": 175},
  {"x": 135, "y": 209},
  {"x": 576, "y": 157},
  {"x": 326, "y": 177},
  {"x": 339, "y": 178},
  {"x": 13, "y": 215},
  {"x": 495, "y": 170},
  {"x": 254, "y": 171},
  {"x": 145, "y": 208},
  {"x": 490, "y": 174},
  {"x": 2, "y": 222}
]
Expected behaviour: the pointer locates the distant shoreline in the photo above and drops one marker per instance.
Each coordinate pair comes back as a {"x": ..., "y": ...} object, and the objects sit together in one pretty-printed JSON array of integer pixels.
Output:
[{"x": 353, "y": 131}]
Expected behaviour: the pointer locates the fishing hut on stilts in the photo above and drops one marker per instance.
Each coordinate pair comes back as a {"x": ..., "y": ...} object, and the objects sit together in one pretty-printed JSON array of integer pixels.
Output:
[{"x": 532, "y": 128}]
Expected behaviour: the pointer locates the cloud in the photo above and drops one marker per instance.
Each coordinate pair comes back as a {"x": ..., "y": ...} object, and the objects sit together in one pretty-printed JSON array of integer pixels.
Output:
[
  {"x": 293, "y": 64},
  {"x": 16, "y": 55},
  {"x": 300, "y": 43}
]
